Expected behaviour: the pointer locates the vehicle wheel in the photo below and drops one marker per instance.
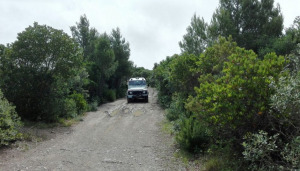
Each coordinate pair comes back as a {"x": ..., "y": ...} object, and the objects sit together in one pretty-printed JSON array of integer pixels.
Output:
[
  {"x": 128, "y": 100},
  {"x": 146, "y": 100}
]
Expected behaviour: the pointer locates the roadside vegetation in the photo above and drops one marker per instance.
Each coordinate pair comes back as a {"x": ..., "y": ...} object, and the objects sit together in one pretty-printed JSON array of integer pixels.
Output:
[
  {"x": 50, "y": 77},
  {"x": 232, "y": 95}
]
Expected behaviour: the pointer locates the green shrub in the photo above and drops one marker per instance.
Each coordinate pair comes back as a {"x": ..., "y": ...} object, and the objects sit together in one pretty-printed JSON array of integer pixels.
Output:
[
  {"x": 264, "y": 152},
  {"x": 9, "y": 122},
  {"x": 193, "y": 135},
  {"x": 121, "y": 91},
  {"x": 93, "y": 106},
  {"x": 176, "y": 108},
  {"x": 81, "y": 104},
  {"x": 70, "y": 110},
  {"x": 110, "y": 95},
  {"x": 261, "y": 151},
  {"x": 238, "y": 101},
  {"x": 291, "y": 153}
]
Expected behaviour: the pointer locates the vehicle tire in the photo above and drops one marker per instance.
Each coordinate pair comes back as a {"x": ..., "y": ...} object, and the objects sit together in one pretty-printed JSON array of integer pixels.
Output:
[
  {"x": 128, "y": 100},
  {"x": 146, "y": 100}
]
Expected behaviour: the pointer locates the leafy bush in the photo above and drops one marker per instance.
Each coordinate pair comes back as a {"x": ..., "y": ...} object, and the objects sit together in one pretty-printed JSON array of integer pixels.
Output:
[
  {"x": 38, "y": 85},
  {"x": 9, "y": 122},
  {"x": 93, "y": 106},
  {"x": 291, "y": 153},
  {"x": 193, "y": 135},
  {"x": 264, "y": 152},
  {"x": 176, "y": 108},
  {"x": 260, "y": 149},
  {"x": 81, "y": 104},
  {"x": 238, "y": 100},
  {"x": 110, "y": 95},
  {"x": 163, "y": 83},
  {"x": 69, "y": 108}
]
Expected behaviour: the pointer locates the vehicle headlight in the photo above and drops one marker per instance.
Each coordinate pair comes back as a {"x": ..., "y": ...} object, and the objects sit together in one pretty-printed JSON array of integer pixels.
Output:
[
  {"x": 129, "y": 92},
  {"x": 145, "y": 92}
]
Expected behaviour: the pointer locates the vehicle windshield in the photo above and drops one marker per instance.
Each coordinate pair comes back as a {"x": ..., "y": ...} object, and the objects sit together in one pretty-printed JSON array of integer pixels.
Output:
[{"x": 137, "y": 83}]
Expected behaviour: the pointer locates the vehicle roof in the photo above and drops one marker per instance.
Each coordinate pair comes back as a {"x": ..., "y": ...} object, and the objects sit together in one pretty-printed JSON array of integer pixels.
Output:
[{"x": 137, "y": 78}]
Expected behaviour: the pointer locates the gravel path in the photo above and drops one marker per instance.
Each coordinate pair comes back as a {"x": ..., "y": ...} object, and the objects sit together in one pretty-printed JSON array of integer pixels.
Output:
[{"x": 119, "y": 136}]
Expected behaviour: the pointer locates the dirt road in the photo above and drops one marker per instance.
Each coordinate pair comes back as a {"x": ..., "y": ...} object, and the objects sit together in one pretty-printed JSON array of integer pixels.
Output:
[{"x": 119, "y": 136}]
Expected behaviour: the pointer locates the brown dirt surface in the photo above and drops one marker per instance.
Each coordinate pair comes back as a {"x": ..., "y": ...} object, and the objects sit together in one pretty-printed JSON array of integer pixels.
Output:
[{"x": 119, "y": 136}]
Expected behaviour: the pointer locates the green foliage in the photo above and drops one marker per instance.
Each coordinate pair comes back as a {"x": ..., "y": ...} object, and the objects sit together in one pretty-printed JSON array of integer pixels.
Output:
[
  {"x": 124, "y": 69},
  {"x": 93, "y": 106},
  {"x": 264, "y": 152},
  {"x": 106, "y": 57},
  {"x": 101, "y": 67},
  {"x": 84, "y": 35},
  {"x": 176, "y": 108},
  {"x": 110, "y": 95},
  {"x": 260, "y": 149},
  {"x": 39, "y": 72},
  {"x": 213, "y": 59},
  {"x": 9, "y": 122},
  {"x": 143, "y": 72},
  {"x": 80, "y": 102},
  {"x": 193, "y": 135},
  {"x": 163, "y": 83},
  {"x": 237, "y": 102},
  {"x": 291, "y": 153},
  {"x": 196, "y": 39},
  {"x": 235, "y": 91},
  {"x": 252, "y": 23},
  {"x": 184, "y": 73},
  {"x": 69, "y": 108}
]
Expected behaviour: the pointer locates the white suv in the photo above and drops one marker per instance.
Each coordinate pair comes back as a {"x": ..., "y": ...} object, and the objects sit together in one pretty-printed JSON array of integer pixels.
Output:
[{"x": 137, "y": 89}]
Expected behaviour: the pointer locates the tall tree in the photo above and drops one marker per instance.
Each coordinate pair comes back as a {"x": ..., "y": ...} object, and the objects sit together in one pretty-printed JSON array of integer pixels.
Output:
[
  {"x": 252, "y": 23},
  {"x": 102, "y": 66},
  {"x": 122, "y": 52},
  {"x": 84, "y": 35},
  {"x": 196, "y": 39}
]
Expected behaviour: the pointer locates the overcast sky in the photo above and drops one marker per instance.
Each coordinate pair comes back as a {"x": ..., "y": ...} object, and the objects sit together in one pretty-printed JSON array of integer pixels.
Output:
[{"x": 152, "y": 27}]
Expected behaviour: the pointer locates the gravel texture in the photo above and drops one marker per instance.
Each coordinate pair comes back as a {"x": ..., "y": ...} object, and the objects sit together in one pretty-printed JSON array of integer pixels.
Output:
[{"x": 119, "y": 136}]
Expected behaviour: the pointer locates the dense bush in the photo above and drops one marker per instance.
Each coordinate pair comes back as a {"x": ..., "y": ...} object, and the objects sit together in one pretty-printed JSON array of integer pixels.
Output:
[
  {"x": 261, "y": 150},
  {"x": 163, "y": 83},
  {"x": 69, "y": 108},
  {"x": 40, "y": 72},
  {"x": 9, "y": 122},
  {"x": 193, "y": 136},
  {"x": 238, "y": 101},
  {"x": 80, "y": 102},
  {"x": 110, "y": 95},
  {"x": 176, "y": 108},
  {"x": 291, "y": 153},
  {"x": 93, "y": 106},
  {"x": 265, "y": 152}
]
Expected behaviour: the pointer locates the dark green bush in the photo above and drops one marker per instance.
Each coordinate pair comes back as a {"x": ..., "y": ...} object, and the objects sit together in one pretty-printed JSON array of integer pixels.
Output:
[
  {"x": 81, "y": 104},
  {"x": 176, "y": 108},
  {"x": 260, "y": 151},
  {"x": 193, "y": 135},
  {"x": 93, "y": 106},
  {"x": 51, "y": 68},
  {"x": 9, "y": 122},
  {"x": 109, "y": 95},
  {"x": 70, "y": 109},
  {"x": 291, "y": 153}
]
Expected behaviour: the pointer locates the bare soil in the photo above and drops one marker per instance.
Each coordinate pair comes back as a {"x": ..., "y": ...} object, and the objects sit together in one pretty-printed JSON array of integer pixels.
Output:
[{"x": 119, "y": 136}]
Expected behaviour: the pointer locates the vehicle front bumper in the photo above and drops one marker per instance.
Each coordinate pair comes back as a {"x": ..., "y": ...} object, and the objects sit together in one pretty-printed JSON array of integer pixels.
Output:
[{"x": 140, "y": 96}]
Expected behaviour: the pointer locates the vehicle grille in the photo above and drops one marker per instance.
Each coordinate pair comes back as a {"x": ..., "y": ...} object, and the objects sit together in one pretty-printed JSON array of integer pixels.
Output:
[{"x": 137, "y": 92}]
